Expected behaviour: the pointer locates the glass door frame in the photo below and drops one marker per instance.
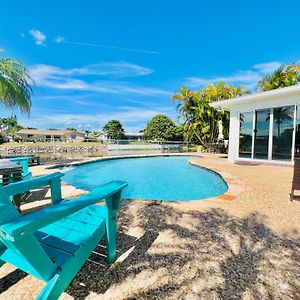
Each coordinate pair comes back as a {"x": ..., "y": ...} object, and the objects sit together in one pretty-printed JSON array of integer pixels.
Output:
[
  {"x": 294, "y": 132},
  {"x": 270, "y": 140}
]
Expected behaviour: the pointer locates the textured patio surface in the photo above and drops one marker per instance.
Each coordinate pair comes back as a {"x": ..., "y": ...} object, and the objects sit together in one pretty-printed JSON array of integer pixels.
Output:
[{"x": 242, "y": 248}]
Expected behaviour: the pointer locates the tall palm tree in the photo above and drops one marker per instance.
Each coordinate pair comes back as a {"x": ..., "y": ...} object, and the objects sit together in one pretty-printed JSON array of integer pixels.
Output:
[
  {"x": 281, "y": 114},
  {"x": 200, "y": 119},
  {"x": 186, "y": 105},
  {"x": 223, "y": 91},
  {"x": 286, "y": 75},
  {"x": 15, "y": 89}
]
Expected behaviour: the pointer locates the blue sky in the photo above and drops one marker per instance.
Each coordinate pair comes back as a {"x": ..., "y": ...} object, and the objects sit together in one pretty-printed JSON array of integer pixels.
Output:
[{"x": 93, "y": 61}]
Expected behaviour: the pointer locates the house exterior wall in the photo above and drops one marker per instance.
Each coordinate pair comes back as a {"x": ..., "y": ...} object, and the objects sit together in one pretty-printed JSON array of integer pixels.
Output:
[
  {"x": 233, "y": 146},
  {"x": 74, "y": 136},
  {"x": 31, "y": 136},
  {"x": 251, "y": 106},
  {"x": 49, "y": 135}
]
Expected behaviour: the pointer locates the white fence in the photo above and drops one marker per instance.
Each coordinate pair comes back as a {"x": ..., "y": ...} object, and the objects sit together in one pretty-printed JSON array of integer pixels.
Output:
[{"x": 117, "y": 148}]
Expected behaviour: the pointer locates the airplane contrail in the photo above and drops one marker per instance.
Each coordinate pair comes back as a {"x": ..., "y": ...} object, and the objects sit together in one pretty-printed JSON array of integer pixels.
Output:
[{"x": 63, "y": 40}]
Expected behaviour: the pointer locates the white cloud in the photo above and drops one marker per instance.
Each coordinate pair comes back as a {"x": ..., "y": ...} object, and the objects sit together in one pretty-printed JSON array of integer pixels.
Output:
[
  {"x": 133, "y": 118},
  {"x": 38, "y": 36},
  {"x": 247, "y": 77},
  {"x": 267, "y": 67},
  {"x": 117, "y": 69},
  {"x": 71, "y": 79},
  {"x": 59, "y": 39}
]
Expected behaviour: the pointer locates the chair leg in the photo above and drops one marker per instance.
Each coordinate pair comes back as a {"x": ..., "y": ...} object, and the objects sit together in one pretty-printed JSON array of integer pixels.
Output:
[
  {"x": 112, "y": 207},
  {"x": 53, "y": 288},
  {"x": 292, "y": 195},
  {"x": 111, "y": 239}
]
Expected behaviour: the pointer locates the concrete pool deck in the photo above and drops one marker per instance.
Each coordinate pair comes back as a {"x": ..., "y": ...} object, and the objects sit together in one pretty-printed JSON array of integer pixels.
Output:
[{"x": 242, "y": 245}]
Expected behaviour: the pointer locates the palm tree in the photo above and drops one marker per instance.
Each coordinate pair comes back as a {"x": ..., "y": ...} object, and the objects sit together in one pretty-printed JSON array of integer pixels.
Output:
[
  {"x": 200, "y": 119},
  {"x": 223, "y": 91},
  {"x": 281, "y": 114},
  {"x": 187, "y": 105},
  {"x": 15, "y": 90},
  {"x": 286, "y": 75},
  {"x": 11, "y": 125}
]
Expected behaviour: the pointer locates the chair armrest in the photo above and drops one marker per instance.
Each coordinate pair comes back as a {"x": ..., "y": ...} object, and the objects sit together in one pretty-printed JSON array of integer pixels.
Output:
[
  {"x": 23, "y": 162},
  {"x": 30, "y": 184},
  {"x": 28, "y": 224},
  {"x": 19, "y": 158}
]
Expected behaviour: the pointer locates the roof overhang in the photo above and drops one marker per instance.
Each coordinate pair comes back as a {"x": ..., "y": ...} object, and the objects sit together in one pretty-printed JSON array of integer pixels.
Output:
[{"x": 231, "y": 103}]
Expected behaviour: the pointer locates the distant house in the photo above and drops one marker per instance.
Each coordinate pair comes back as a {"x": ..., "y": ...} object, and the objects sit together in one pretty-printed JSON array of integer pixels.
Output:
[
  {"x": 51, "y": 135},
  {"x": 134, "y": 136},
  {"x": 101, "y": 136}
]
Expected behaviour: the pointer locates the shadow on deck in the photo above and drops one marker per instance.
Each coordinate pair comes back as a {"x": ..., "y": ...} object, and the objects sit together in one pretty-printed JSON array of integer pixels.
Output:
[{"x": 206, "y": 254}]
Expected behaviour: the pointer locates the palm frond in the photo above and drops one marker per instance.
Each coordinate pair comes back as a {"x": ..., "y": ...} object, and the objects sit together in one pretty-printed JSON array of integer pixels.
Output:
[{"x": 15, "y": 89}]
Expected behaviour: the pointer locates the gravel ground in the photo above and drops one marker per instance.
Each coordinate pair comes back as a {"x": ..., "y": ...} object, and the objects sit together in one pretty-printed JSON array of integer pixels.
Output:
[{"x": 247, "y": 248}]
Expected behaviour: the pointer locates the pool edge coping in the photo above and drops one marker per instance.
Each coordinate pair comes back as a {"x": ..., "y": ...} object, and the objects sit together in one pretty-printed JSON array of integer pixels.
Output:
[
  {"x": 234, "y": 186},
  {"x": 98, "y": 159}
]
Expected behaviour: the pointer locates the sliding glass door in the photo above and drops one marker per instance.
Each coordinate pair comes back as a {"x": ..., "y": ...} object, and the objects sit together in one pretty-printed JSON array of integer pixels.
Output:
[
  {"x": 269, "y": 133},
  {"x": 283, "y": 125},
  {"x": 261, "y": 133},
  {"x": 245, "y": 139}
]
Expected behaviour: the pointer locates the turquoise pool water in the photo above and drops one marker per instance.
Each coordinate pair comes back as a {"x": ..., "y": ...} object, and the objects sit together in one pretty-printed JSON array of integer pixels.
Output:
[{"x": 168, "y": 178}]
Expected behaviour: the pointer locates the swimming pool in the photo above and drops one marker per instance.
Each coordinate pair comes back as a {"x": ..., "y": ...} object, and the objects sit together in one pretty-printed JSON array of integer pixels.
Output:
[{"x": 167, "y": 178}]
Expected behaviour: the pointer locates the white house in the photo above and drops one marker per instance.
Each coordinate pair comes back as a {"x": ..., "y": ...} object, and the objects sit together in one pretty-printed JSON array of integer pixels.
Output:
[
  {"x": 134, "y": 136},
  {"x": 51, "y": 135},
  {"x": 265, "y": 126}
]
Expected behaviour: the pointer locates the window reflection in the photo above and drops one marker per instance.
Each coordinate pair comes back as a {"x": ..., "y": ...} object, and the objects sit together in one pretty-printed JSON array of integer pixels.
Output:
[
  {"x": 280, "y": 131},
  {"x": 261, "y": 133},
  {"x": 245, "y": 140},
  {"x": 283, "y": 123}
]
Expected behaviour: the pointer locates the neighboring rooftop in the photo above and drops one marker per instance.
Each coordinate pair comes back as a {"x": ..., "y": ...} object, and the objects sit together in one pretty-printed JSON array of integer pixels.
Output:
[{"x": 47, "y": 131}]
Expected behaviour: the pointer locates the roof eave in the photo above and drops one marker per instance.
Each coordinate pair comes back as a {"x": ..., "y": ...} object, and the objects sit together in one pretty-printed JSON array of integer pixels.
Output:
[{"x": 229, "y": 103}]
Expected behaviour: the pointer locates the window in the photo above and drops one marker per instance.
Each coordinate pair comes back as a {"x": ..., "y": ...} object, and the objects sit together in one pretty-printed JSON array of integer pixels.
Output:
[
  {"x": 272, "y": 136},
  {"x": 261, "y": 134},
  {"x": 283, "y": 124},
  {"x": 245, "y": 139}
]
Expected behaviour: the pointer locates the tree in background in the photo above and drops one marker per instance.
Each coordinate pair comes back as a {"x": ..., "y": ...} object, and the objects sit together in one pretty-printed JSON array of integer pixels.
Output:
[
  {"x": 15, "y": 90},
  {"x": 162, "y": 128},
  {"x": 284, "y": 76},
  {"x": 71, "y": 129},
  {"x": 114, "y": 130},
  {"x": 11, "y": 125},
  {"x": 201, "y": 120}
]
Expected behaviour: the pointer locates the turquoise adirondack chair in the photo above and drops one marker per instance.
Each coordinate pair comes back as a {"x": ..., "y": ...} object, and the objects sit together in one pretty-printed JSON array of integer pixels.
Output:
[{"x": 53, "y": 243}]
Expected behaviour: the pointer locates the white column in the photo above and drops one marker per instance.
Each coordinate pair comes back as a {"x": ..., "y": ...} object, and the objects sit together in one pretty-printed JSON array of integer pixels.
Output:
[
  {"x": 234, "y": 131},
  {"x": 270, "y": 146},
  {"x": 294, "y": 133}
]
